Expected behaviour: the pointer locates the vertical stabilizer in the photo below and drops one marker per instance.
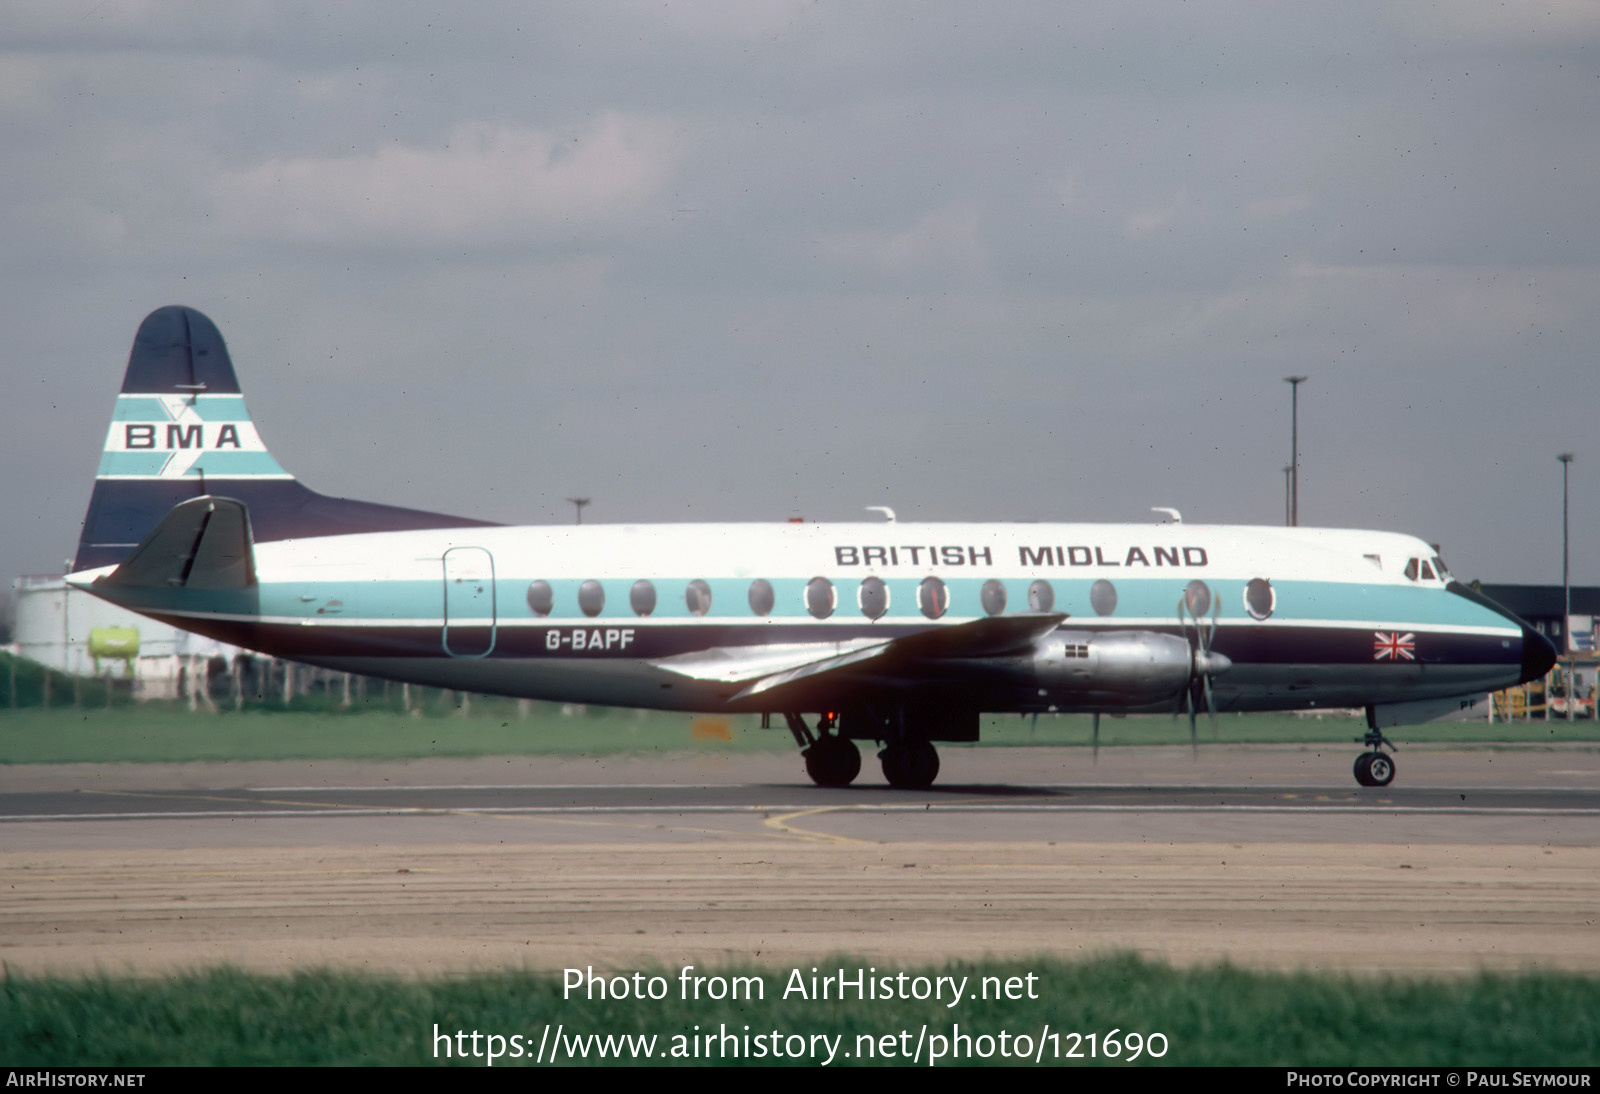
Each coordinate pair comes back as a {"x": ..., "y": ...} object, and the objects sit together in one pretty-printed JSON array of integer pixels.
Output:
[{"x": 180, "y": 430}]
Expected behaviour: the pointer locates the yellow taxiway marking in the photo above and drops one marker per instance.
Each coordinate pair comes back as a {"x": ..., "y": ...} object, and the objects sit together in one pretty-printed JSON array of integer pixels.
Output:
[{"x": 780, "y": 824}]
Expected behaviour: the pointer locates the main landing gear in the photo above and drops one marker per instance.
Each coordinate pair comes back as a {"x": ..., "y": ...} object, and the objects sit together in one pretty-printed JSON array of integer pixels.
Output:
[
  {"x": 910, "y": 765},
  {"x": 833, "y": 759},
  {"x": 1373, "y": 768}
]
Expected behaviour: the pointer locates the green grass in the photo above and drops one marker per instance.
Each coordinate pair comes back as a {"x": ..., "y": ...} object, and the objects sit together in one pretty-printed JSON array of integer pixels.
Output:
[
  {"x": 1218, "y": 1016},
  {"x": 162, "y": 732}
]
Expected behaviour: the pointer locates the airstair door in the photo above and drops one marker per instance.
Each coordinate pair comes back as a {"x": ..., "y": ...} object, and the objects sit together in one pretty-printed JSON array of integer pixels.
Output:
[{"x": 469, "y": 616}]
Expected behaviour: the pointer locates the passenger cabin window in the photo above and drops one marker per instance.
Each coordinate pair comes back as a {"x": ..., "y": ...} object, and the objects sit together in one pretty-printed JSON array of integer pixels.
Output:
[
  {"x": 591, "y": 598},
  {"x": 1197, "y": 597},
  {"x": 1259, "y": 598},
  {"x": 762, "y": 599},
  {"x": 698, "y": 597},
  {"x": 642, "y": 598},
  {"x": 1041, "y": 597},
  {"x": 1103, "y": 597},
  {"x": 820, "y": 598},
  {"x": 993, "y": 597},
  {"x": 933, "y": 599},
  {"x": 873, "y": 596},
  {"x": 541, "y": 598}
]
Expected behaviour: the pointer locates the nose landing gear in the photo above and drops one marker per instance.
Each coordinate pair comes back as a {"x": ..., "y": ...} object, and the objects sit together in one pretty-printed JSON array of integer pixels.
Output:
[{"x": 1373, "y": 768}]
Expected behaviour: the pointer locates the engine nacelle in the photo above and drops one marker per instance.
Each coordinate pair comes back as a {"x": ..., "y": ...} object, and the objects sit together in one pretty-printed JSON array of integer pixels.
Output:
[{"x": 1119, "y": 668}]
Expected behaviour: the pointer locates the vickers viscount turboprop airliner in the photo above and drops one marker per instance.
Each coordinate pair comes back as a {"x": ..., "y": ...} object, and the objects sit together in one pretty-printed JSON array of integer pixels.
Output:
[{"x": 893, "y": 632}]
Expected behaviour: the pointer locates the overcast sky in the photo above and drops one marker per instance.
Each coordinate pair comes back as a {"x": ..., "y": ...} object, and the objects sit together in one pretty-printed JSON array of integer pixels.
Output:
[{"x": 742, "y": 260}]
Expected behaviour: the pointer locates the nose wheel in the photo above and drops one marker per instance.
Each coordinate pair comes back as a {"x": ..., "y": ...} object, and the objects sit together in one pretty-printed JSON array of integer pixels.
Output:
[{"x": 1374, "y": 769}]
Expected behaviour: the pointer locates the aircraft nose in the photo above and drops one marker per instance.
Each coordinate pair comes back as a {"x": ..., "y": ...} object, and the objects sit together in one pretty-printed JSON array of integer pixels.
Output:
[{"x": 1538, "y": 654}]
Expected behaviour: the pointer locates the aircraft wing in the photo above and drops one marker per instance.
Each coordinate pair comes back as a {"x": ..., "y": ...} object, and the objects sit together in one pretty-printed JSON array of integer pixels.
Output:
[
  {"x": 739, "y": 664},
  {"x": 765, "y": 669}
]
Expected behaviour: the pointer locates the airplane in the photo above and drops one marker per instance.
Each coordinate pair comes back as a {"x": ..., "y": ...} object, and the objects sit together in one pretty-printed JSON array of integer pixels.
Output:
[{"x": 891, "y": 632}]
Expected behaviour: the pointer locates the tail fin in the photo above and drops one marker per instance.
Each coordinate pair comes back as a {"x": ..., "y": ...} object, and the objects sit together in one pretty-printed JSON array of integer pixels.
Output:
[{"x": 181, "y": 431}]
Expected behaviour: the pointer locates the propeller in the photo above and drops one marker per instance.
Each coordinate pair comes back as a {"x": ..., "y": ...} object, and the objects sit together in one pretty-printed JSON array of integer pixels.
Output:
[{"x": 1194, "y": 605}]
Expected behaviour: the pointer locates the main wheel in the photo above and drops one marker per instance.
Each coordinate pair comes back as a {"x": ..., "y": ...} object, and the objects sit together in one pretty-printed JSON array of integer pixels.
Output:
[
  {"x": 833, "y": 761},
  {"x": 910, "y": 765}
]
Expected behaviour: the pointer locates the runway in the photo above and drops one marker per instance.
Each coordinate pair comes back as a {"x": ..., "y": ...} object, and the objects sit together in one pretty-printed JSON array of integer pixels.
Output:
[{"x": 1264, "y": 856}]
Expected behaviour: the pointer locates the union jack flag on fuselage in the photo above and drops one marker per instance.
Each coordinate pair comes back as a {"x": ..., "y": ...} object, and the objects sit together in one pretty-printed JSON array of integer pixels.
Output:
[{"x": 1393, "y": 646}]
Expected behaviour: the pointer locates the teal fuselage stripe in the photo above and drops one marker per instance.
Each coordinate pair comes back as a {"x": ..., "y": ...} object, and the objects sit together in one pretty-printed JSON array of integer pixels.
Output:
[{"x": 1139, "y": 601}]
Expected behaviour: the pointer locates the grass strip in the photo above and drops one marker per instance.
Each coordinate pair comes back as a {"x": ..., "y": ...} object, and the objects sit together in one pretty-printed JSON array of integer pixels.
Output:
[
  {"x": 164, "y": 733},
  {"x": 1208, "y": 1016}
]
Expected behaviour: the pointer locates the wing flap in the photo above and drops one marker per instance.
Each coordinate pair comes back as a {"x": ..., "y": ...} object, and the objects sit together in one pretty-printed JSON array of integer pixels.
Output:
[
  {"x": 737, "y": 664},
  {"x": 764, "y": 669}
]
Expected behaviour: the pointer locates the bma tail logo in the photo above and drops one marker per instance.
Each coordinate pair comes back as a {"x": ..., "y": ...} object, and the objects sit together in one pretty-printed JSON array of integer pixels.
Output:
[
  {"x": 176, "y": 436},
  {"x": 1393, "y": 646}
]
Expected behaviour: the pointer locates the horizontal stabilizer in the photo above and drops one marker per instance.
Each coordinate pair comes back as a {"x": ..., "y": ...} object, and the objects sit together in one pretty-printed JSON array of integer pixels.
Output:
[{"x": 203, "y": 543}]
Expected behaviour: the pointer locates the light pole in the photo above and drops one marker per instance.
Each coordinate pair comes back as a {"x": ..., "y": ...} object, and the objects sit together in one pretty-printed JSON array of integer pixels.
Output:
[
  {"x": 579, "y": 503},
  {"x": 1287, "y": 518},
  {"x": 1294, "y": 383},
  {"x": 1566, "y": 579}
]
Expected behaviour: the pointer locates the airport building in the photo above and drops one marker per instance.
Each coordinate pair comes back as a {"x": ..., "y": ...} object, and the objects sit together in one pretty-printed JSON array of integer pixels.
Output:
[{"x": 1576, "y": 636}]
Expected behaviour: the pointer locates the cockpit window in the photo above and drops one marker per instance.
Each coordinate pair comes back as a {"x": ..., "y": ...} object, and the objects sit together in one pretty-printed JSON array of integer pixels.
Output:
[
  {"x": 1427, "y": 571},
  {"x": 1412, "y": 569},
  {"x": 1444, "y": 572}
]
